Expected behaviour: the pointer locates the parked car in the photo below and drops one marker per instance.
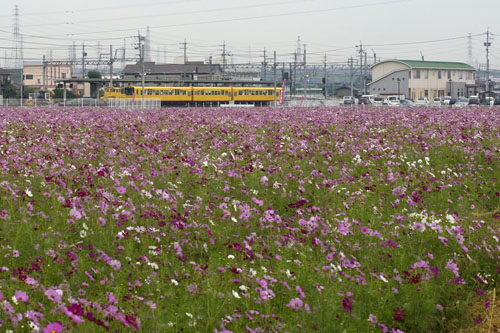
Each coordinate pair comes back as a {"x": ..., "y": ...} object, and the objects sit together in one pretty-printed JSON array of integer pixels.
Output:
[
  {"x": 392, "y": 101},
  {"x": 364, "y": 101},
  {"x": 406, "y": 102},
  {"x": 370, "y": 98},
  {"x": 437, "y": 102},
  {"x": 377, "y": 100},
  {"x": 461, "y": 102},
  {"x": 446, "y": 100},
  {"x": 347, "y": 100},
  {"x": 474, "y": 101},
  {"x": 496, "y": 101},
  {"x": 422, "y": 101}
]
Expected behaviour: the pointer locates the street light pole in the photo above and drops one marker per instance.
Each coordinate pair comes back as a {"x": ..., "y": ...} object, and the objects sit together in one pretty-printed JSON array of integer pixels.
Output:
[{"x": 399, "y": 85}]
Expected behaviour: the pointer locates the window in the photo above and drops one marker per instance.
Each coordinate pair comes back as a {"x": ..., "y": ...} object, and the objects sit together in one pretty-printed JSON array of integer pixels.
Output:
[
  {"x": 426, "y": 74},
  {"x": 417, "y": 74},
  {"x": 409, "y": 74},
  {"x": 449, "y": 75},
  {"x": 460, "y": 75},
  {"x": 439, "y": 74},
  {"x": 426, "y": 92},
  {"x": 63, "y": 75},
  {"x": 29, "y": 76}
]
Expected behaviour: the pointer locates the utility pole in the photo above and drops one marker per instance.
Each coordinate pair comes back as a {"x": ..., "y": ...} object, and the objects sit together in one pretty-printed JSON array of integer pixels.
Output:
[
  {"x": 141, "y": 58},
  {"x": 274, "y": 66},
  {"x": 361, "y": 78},
  {"x": 374, "y": 57},
  {"x": 184, "y": 46},
  {"x": 264, "y": 65},
  {"x": 294, "y": 72},
  {"x": 224, "y": 54},
  {"x": 111, "y": 65},
  {"x": 324, "y": 76},
  {"x": 305, "y": 74},
  {"x": 351, "y": 74},
  {"x": 487, "y": 44},
  {"x": 84, "y": 54},
  {"x": 44, "y": 71}
]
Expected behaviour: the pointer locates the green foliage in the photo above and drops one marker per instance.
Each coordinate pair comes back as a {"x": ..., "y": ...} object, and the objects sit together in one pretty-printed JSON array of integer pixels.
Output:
[
  {"x": 59, "y": 94},
  {"x": 94, "y": 75},
  {"x": 9, "y": 91}
]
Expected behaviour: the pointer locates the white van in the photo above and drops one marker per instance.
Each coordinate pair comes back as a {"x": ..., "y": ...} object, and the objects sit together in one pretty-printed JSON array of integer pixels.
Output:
[
  {"x": 392, "y": 101},
  {"x": 371, "y": 98}
]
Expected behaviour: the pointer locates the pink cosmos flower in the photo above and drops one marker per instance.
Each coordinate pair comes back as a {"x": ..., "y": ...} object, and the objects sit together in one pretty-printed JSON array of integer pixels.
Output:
[
  {"x": 121, "y": 189},
  {"x": 21, "y": 296},
  {"x": 257, "y": 201},
  {"x": 295, "y": 304},
  {"x": 54, "y": 327}
]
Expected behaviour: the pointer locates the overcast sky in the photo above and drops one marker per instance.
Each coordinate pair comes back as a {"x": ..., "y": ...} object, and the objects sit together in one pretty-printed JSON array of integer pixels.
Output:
[{"x": 326, "y": 27}]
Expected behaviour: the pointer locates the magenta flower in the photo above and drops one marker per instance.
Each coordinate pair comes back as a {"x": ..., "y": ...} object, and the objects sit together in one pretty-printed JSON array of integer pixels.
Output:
[
  {"x": 121, "y": 189},
  {"x": 347, "y": 304},
  {"x": 54, "y": 327},
  {"x": 75, "y": 309},
  {"x": 399, "y": 314},
  {"x": 21, "y": 296},
  {"x": 295, "y": 304}
]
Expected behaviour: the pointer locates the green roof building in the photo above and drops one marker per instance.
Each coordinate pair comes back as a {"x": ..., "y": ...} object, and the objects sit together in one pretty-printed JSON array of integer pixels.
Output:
[{"x": 415, "y": 78}]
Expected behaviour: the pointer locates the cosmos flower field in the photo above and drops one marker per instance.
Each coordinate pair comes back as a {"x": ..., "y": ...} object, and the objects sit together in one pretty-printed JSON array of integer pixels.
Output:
[{"x": 261, "y": 220}]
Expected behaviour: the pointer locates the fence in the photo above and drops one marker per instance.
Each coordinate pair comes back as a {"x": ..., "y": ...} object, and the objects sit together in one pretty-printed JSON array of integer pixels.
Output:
[{"x": 149, "y": 103}]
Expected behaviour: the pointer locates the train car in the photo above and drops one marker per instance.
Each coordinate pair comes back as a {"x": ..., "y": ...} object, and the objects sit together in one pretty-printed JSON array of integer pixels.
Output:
[
  {"x": 113, "y": 93},
  {"x": 167, "y": 95},
  {"x": 257, "y": 95},
  {"x": 212, "y": 94}
]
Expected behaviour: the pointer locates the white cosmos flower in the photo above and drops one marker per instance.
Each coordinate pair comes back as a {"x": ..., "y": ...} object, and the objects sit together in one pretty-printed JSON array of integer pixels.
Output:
[{"x": 235, "y": 294}]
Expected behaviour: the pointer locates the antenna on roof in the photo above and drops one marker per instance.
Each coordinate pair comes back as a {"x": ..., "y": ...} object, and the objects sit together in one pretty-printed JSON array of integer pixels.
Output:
[{"x": 422, "y": 56}]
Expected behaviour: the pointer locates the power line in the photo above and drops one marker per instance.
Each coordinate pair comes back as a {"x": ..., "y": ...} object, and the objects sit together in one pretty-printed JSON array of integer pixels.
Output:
[
  {"x": 248, "y": 18},
  {"x": 142, "y": 4},
  {"x": 189, "y": 12}
]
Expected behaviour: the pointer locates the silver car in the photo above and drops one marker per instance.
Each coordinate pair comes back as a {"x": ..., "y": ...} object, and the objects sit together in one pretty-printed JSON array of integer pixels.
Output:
[{"x": 461, "y": 102}]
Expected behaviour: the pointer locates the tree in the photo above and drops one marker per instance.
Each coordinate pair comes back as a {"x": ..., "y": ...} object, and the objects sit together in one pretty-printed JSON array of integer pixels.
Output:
[
  {"x": 59, "y": 94},
  {"x": 9, "y": 91},
  {"x": 94, "y": 75}
]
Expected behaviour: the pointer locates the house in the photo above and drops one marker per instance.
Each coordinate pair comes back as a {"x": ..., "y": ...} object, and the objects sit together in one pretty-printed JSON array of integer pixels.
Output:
[
  {"x": 4, "y": 79},
  {"x": 415, "y": 78},
  {"x": 174, "y": 72},
  {"x": 34, "y": 74}
]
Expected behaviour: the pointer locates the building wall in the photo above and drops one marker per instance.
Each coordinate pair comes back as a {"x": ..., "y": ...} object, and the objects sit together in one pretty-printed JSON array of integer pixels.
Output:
[
  {"x": 389, "y": 84},
  {"x": 33, "y": 75},
  {"x": 384, "y": 68},
  {"x": 432, "y": 83}
]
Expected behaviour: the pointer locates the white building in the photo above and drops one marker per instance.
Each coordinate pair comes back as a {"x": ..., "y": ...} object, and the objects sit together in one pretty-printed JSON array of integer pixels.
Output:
[{"x": 415, "y": 79}]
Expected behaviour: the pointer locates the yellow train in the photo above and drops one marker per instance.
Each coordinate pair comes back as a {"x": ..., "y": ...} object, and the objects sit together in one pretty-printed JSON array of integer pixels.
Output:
[{"x": 197, "y": 95}]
